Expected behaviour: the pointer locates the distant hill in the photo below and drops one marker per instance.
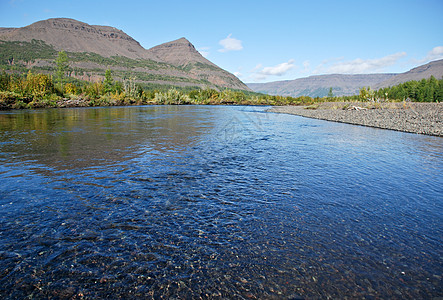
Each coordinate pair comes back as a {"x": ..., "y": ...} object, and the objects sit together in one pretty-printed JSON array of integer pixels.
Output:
[
  {"x": 434, "y": 68},
  {"x": 344, "y": 85},
  {"x": 318, "y": 86},
  {"x": 92, "y": 49}
]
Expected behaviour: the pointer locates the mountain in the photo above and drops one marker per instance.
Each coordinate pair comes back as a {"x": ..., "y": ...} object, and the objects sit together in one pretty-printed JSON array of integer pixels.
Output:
[
  {"x": 319, "y": 85},
  {"x": 434, "y": 68},
  {"x": 343, "y": 85},
  {"x": 74, "y": 36},
  {"x": 92, "y": 49}
]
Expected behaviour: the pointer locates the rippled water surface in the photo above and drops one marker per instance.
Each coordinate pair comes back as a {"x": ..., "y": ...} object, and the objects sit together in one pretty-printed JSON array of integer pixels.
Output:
[{"x": 215, "y": 202}]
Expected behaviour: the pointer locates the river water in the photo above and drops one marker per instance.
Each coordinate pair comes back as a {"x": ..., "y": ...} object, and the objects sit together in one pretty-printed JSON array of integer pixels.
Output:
[{"x": 191, "y": 202}]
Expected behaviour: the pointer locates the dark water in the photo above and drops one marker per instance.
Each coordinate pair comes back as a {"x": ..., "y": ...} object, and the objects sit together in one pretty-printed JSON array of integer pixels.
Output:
[{"x": 215, "y": 202}]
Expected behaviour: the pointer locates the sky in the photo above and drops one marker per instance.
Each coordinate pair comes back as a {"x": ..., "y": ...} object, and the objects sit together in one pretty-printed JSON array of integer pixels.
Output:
[{"x": 263, "y": 41}]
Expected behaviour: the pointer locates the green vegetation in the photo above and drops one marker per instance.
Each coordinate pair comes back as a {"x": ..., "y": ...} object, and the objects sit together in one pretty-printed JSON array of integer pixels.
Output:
[
  {"x": 62, "y": 66},
  {"x": 108, "y": 83},
  {"x": 425, "y": 90},
  {"x": 199, "y": 65},
  {"x": 118, "y": 61},
  {"x": 12, "y": 52},
  {"x": 34, "y": 90}
]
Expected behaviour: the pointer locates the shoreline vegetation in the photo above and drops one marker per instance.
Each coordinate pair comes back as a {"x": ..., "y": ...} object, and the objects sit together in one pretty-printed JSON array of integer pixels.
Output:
[{"x": 39, "y": 90}]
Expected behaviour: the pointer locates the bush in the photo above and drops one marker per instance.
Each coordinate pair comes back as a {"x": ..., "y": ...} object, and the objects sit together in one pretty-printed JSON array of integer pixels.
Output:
[
  {"x": 38, "y": 85},
  {"x": 71, "y": 89},
  {"x": 44, "y": 103},
  {"x": 7, "y": 99},
  {"x": 94, "y": 90},
  {"x": 4, "y": 81},
  {"x": 172, "y": 96}
]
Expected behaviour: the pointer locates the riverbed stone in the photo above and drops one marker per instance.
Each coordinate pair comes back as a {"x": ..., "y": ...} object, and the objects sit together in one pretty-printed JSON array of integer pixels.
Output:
[{"x": 421, "y": 118}]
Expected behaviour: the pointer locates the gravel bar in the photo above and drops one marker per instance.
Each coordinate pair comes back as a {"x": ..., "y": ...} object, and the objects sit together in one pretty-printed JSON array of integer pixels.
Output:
[{"x": 421, "y": 118}]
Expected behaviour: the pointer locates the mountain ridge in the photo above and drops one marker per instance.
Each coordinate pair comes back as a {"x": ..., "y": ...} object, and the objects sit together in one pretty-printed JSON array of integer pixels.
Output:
[
  {"x": 172, "y": 63},
  {"x": 345, "y": 84},
  {"x": 319, "y": 85}
]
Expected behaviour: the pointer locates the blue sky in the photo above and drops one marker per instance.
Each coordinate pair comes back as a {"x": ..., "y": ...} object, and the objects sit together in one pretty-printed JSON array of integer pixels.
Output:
[{"x": 262, "y": 41}]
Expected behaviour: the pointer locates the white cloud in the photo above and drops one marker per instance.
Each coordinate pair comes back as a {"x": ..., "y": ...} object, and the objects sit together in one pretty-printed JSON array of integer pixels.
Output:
[
  {"x": 205, "y": 54},
  {"x": 204, "y": 51},
  {"x": 257, "y": 77},
  {"x": 435, "y": 54},
  {"x": 365, "y": 65},
  {"x": 279, "y": 69},
  {"x": 237, "y": 74},
  {"x": 260, "y": 73},
  {"x": 230, "y": 44},
  {"x": 306, "y": 66},
  {"x": 257, "y": 67},
  {"x": 331, "y": 60}
]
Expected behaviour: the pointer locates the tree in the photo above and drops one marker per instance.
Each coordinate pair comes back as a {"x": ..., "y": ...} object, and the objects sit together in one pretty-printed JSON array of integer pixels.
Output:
[
  {"x": 130, "y": 87},
  {"x": 363, "y": 93},
  {"x": 62, "y": 65},
  {"x": 330, "y": 94},
  {"x": 108, "y": 83}
]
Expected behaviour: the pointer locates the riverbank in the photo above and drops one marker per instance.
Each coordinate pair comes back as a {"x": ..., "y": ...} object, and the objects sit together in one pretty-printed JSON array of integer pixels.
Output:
[{"x": 421, "y": 118}]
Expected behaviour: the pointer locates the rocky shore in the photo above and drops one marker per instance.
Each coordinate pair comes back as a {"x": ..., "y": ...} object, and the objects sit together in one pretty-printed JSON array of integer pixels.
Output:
[{"x": 421, "y": 118}]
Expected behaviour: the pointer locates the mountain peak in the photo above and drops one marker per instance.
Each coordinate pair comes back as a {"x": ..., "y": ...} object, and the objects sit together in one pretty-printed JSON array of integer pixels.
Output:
[
  {"x": 182, "y": 40},
  {"x": 178, "y": 52},
  {"x": 56, "y": 21}
]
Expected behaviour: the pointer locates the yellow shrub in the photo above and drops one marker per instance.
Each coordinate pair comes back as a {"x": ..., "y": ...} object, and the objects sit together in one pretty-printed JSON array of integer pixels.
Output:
[
  {"x": 70, "y": 89},
  {"x": 38, "y": 85}
]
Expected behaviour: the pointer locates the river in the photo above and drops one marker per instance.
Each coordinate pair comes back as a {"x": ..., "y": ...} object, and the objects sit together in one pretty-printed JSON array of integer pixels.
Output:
[{"x": 191, "y": 202}]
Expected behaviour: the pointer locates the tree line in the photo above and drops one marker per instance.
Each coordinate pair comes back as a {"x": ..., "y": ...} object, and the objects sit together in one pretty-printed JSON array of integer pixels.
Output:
[{"x": 425, "y": 90}]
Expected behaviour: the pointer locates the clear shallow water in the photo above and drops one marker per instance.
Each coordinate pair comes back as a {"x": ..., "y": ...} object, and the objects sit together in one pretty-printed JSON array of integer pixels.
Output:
[{"x": 215, "y": 202}]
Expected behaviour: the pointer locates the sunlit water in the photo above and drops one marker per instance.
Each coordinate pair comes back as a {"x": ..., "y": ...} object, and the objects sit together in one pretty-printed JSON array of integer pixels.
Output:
[{"x": 215, "y": 202}]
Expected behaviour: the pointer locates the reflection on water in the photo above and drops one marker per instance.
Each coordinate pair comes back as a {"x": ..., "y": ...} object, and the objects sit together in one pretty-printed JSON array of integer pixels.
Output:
[
  {"x": 215, "y": 202},
  {"x": 89, "y": 137}
]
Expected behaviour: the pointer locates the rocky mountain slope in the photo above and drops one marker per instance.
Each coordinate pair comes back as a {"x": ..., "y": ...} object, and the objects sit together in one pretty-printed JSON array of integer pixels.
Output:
[
  {"x": 434, "y": 68},
  {"x": 179, "y": 52},
  {"x": 92, "y": 49},
  {"x": 343, "y": 85},
  {"x": 74, "y": 36}
]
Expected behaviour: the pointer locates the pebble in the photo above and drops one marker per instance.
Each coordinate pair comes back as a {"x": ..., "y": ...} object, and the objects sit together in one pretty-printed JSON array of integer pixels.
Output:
[{"x": 421, "y": 118}]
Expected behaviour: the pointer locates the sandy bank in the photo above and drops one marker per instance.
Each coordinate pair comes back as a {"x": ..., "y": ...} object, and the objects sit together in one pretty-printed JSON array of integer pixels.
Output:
[{"x": 422, "y": 118}]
